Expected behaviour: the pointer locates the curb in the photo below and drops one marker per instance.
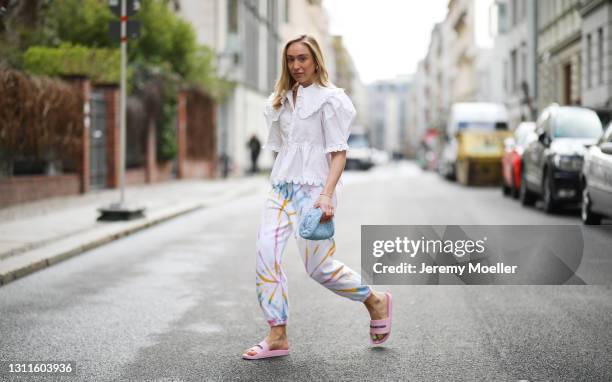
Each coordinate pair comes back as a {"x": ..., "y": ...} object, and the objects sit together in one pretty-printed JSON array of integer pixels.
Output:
[{"x": 47, "y": 260}]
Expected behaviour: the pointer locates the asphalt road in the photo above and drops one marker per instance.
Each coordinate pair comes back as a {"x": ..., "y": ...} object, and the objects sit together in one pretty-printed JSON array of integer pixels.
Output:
[{"x": 177, "y": 302}]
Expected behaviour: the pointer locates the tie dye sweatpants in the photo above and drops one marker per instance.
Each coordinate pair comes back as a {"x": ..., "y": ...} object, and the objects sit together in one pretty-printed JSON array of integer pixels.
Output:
[{"x": 280, "y": 219}]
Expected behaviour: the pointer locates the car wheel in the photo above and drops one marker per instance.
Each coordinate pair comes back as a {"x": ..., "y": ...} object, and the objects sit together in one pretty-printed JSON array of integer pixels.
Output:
[
  {"x": 505, "y": 188},
  {"x": 514, "y": 191},
  {"x": 550, "y": 205},
  {"x": 462, "y": 172},
  {"x": 449, "y": 172},
  {"x": 526, "y": 197},
  {"x": 588, "y": 216}
]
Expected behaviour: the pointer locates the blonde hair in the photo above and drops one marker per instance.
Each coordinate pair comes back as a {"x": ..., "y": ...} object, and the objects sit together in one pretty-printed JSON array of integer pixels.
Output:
[{"x": 286, "y": 81}]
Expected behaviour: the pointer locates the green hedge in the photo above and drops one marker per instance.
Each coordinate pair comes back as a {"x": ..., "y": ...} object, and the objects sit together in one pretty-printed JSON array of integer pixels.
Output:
[{"x": 99, "y": 64}]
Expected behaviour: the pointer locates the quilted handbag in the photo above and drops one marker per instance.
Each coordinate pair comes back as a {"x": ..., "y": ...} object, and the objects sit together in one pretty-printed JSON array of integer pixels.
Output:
[{"x": 312, "y": 229}]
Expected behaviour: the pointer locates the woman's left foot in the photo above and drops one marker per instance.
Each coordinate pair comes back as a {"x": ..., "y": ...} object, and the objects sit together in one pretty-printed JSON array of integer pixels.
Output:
[{"x": 377, "y": 306}]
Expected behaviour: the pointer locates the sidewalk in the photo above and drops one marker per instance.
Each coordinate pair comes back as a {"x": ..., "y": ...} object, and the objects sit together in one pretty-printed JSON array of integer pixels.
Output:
[{"x": 39, "y": 234}]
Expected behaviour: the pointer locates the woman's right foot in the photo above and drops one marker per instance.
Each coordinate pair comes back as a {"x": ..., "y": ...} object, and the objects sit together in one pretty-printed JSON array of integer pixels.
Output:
[{"x": 275, "y": 343}]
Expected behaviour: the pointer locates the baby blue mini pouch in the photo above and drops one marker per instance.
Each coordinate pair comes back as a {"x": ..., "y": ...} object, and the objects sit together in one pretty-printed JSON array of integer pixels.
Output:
[{"x": 312, "y": 229}]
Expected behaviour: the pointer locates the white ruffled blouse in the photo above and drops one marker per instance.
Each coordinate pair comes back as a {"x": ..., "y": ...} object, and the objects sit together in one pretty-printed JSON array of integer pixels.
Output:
[{"x": 306, "y": 133}]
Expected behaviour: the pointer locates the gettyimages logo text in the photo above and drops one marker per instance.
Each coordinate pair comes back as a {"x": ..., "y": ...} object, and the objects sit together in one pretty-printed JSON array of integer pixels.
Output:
[{"x": 413, "y": 248}]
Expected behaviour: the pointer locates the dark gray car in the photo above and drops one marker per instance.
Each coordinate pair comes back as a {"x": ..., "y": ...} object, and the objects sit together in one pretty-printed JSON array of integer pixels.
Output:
[{"x": 552, "y": 164}]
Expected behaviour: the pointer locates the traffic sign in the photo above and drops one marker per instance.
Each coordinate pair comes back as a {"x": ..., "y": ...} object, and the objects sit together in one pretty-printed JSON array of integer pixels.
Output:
[{"x": 133, "y": 6}]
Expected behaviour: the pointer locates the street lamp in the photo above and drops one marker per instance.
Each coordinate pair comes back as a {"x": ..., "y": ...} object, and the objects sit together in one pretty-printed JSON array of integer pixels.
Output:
[{"x": 121, "y": 30}]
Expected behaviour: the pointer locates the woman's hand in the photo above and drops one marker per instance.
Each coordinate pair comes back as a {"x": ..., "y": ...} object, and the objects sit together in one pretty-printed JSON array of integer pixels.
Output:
[{"x": 325, "y": 204}]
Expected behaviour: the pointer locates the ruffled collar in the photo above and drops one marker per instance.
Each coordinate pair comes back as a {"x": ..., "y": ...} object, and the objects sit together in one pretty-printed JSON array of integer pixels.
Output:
[
  {"x": 308, "y": 101},
  {"x": 311, "y": 98},
  {"x": 309, "y": 92}
]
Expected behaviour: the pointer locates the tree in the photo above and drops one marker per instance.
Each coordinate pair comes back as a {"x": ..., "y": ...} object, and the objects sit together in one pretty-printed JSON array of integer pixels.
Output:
[{"x": 79, "y": 22}]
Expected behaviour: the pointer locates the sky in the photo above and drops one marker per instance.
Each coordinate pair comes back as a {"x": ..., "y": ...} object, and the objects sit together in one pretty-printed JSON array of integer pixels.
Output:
[{"x": 386, "y": 38}]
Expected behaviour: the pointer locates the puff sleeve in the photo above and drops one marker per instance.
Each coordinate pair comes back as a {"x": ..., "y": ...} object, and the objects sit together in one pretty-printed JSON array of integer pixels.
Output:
[
  {"x": 275, "y": 139},
  {"x": 338, "y": 115}
]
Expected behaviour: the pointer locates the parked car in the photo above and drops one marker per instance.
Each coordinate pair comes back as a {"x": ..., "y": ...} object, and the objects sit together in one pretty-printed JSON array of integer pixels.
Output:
[
  {"x": 597, "y": 180},
  {"x": 513, "y": 152},
  {"x": 473, "y": 145},
  {"x": 427, "y": 153},
  {"x": 552, "y": 164},
  {"x": 360, "y": 153}
]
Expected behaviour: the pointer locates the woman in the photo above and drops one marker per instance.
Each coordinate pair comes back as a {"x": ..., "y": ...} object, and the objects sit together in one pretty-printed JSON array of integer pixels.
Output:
[{"x": 309, "y": 122}]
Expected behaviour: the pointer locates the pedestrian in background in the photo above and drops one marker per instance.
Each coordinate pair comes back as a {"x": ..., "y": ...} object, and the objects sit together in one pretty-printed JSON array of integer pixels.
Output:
[
  {"x": 309, "y": 123},
  {"x": 255, "y": 147}
]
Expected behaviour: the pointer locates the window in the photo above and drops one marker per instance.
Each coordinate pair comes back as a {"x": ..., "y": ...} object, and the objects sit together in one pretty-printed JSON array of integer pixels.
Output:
[
  {"x": 232, "y": 16},
  {"x": 513, "y": 71},
  {"x": 502, "y": 18},
  {"x": 600, "y": 55},
  {"x": 523, "y": 63},
  {"x": 286, "y": 15},
  {"x": 589, "y": 61},
  {"x": 251, "y": 50},
  {"x": 506, "y": 77}
]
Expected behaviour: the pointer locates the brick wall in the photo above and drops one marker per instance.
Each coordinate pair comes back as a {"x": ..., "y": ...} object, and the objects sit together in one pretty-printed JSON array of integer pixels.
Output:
[
  {"x": 197, "y": 168},
  {"x": 135, "y": 176},
  {"x": 22, "y": 189}
]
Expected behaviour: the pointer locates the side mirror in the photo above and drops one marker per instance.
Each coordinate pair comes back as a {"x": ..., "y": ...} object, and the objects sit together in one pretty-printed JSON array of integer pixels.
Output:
[
  {"x": 543, "y": 138},
  {"x": 606, "y": 148}
]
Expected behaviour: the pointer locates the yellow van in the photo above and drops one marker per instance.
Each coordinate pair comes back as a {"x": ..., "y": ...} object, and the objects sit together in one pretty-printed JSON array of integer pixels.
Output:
[{"x": 475, "y": 143}]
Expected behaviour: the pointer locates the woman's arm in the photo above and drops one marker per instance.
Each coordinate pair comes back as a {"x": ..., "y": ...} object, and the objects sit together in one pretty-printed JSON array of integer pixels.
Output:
[{"x": 338, "y": 161}]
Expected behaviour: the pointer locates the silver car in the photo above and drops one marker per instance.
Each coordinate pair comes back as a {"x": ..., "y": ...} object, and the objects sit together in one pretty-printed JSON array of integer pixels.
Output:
[{"x": 597, "y": 180}]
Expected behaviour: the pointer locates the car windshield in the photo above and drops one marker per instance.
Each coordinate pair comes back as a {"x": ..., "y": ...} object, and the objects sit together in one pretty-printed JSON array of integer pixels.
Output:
[
  {"x": 577, "y": 123},
  {"x": 482, "y": 125},
  {"x": 358, "y": 141},
  {"x": 523, "y": 134}
]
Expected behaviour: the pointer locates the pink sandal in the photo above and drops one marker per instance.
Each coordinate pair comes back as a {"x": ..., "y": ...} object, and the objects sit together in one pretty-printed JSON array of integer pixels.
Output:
[
  {"x": 382, "y": 326},
  {"x": 263, "y": 351}
]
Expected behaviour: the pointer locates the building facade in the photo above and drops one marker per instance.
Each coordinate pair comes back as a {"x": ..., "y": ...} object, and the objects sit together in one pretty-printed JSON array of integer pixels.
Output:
[
  {"x": 248, "y": 37},
  {"x": 559, "y": 52},
  {"x": 468, "y": 25},
  {"x": 597, "y": 54},
  {"x": 437, "y": 79},
  {"x": 389, "y": 115},
  {"x": 460, "y": 66},
  {"x": 347, "y": 77},
  {"x": 515, "y": 47}
]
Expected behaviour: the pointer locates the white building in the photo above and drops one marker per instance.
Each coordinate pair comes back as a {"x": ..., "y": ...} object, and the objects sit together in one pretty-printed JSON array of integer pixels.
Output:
[
  {"x": 437, "y": 77},
  {"x": 347, "y": 77},
  {"x": 559, "y": 52},
  {"x": 389, "y": 114},
  {"x": 248, "y": 37},
  {"x": 515, "y": 46},
  {"x": 418, "y": 123},
  {"x": 597, "y": 54},
  {"x": 460, "y": 65},
  {"x": 469, "y": 25}
]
